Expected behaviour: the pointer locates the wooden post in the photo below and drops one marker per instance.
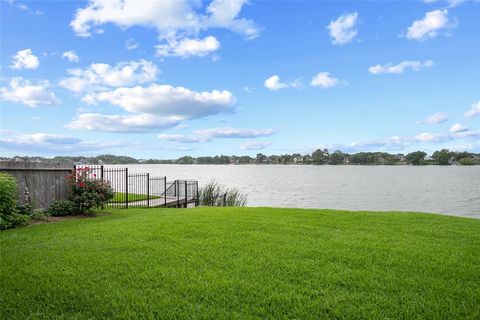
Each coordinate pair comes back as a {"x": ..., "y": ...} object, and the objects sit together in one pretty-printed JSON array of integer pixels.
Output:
[{"x": 126, "y": 188}]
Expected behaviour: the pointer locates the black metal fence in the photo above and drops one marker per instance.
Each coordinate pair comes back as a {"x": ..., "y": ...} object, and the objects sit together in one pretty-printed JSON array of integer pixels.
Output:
[{"x": 136, "y": 190}]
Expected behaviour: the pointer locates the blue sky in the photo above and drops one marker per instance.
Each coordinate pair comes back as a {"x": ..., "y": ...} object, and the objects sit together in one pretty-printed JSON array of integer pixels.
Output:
[{"x": 163, "y": 79}]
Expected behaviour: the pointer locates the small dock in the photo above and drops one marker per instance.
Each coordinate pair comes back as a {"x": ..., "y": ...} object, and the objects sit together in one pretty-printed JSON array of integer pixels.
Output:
[{"x": 166, "y": 202}]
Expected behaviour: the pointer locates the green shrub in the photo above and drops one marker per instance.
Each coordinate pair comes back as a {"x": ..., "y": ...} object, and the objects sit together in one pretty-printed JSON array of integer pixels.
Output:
[
  {"x": 215, "y": 194},
  {"x": 61, "y": 208},
  {"x": 10, "y": 216},
  {"x": 469, "y": 161},
  {"x": 39, "y": 214},
  {"x": 88, "y": 192},
  {"x": 25, "y": 209}
]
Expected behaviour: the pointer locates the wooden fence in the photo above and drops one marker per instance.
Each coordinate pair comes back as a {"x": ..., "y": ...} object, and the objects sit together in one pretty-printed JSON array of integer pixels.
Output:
[{"x": 45, "y": 183}]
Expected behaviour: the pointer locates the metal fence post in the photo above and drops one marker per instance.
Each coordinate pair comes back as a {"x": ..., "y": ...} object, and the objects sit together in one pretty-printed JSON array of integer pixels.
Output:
[
  {"x": 126, "y": 188},
  {"x": 148, "y": 190},
  {"x": 186, "y": 194},
  {"x": 225, "y": 199},
  {"x": 197, "y": 198},
  {"x": 165, "y": 191},
  {"x": 177, "y": 190},
  {"x": 101, "y": 177}
]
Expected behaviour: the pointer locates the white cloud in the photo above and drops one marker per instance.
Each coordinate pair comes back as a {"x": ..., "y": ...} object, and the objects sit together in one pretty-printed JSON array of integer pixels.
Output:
[
  {"x": 23, "y": 7},
  {"x": 31, "y": 94},
  {"x": 71, "y": 56},
  {"x": 169, "y": 18},
  {"x": 234, "y": 133},
  {"x": 131, "y": 44},
  {"x": 474, "y": 110},
  {"x": 178, "y": 102},
  {"x": 464, "y": 133},
  {"x": 162, "y": 15},
  {"x": 274, "y": 83},
  {"x": 436, "y": 118},
  {"x": 451, "y": 3},
  {"x": 188, "y": 47},
  {"x": 100, "y": 76},
  {"x": 431, "y": 137},
  {"x": 324, "y": 80},
  {"x": 392, "y": 143},
  {"x": 401, "y": 143},
  {"x": 457, "y": 127},
  {"x": 204, "y": 135},
  {"x": 430, "y": 26},
  {"x": 255, "y": 145},
  {"x": 388, "y": 144},
  {"x": 47, "y": 138},
  {"x": 136, "y": 123},
  {"x": 45, "y": 143},
  {"x": 224, "y": 14},
  {"x": 343, "y": 29},
  {"x": 25, "y": 59},
  {"x": 182, "y": 138},
  {"x": 401, "y": 67},
  {"x": 18, "y": 5}
]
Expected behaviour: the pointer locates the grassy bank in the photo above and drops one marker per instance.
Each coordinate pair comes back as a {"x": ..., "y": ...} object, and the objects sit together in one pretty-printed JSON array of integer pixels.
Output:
[
  {"x": 243, "y": 263},
  {"x": 119, "y": 197}
]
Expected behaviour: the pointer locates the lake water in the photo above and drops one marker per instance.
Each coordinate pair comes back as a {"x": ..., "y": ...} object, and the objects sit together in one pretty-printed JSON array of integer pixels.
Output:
[{"x": 453, "y": 190}]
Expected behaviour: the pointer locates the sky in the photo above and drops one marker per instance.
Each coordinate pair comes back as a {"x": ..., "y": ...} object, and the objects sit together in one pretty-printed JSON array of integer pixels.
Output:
[{"x": 164, "y": 79}]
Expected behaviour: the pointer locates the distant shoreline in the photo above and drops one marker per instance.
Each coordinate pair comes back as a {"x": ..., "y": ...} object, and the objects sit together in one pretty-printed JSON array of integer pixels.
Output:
[{"x": 318, "y": 157}]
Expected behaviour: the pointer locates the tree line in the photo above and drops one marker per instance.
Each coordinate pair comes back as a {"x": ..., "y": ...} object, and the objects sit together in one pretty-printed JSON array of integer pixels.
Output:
[{"x": 318, "y": 157}]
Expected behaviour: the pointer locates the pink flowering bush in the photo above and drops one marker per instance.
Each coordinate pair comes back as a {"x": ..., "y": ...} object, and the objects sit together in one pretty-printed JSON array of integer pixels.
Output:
[{"x": 88, "y": 191}]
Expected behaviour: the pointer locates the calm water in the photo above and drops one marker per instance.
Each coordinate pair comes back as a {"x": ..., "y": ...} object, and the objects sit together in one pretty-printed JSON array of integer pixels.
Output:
[{"x": 453, "y": 190}]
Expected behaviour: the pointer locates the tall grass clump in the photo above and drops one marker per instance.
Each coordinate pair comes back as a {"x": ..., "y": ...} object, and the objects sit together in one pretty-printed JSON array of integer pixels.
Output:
[{"x": 214, "y": 194}]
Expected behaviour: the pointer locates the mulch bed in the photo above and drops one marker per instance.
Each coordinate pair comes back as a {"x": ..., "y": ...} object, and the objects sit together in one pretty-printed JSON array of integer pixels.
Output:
[{"x": 62, "y": 218}]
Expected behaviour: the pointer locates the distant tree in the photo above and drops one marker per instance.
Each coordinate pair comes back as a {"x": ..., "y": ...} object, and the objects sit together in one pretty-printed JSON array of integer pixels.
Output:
[
  {"x": 462, "y": 155},
  {"x": 244, "y": 160},
  {"x": 261, "y": 158},
  {"x": 185, "y": 160},
  {"x": 273, "y": 159},
  {"x": 416, "y": 158},
  {"x": 359, "y": 158},
  {"x": 338, "y": 157},
  {"x": 320, "y": 156},
  {"x": 442, "y": 157},
  {"x": 468, "y": 161},
  {"x": 285, "y": 158},
  {"x": 224, "y": 159}
]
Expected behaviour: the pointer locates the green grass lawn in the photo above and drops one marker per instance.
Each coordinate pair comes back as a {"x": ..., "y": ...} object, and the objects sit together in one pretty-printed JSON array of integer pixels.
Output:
[
  {"x": 119, "y": 197},
  {"x": 243, "y": 263}
]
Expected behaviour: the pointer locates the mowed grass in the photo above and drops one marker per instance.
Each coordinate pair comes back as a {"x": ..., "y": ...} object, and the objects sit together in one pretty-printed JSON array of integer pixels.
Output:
[
  {"x": 243, "y": 263},
  {"x": 120, "y": 197}
]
